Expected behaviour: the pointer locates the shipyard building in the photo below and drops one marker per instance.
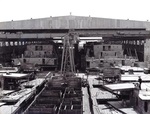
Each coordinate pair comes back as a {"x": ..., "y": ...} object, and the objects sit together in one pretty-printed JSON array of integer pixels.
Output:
[{"x": 44, "y": 69}]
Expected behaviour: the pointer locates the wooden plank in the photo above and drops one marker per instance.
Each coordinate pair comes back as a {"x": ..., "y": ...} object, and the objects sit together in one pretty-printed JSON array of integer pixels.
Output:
[{"x": 86, "y": 106}]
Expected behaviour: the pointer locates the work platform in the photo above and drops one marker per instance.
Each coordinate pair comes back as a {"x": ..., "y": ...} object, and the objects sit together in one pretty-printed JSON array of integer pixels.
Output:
[
  {"x": 98, "y": 94},
  {"x": 22, "y": 98},
  {"x": 119, "y": 86},
  {"x": 105, "y": 98}
]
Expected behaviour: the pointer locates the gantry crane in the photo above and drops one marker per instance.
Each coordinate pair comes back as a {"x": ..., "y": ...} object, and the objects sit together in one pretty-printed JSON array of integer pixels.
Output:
[{"x": 67, "y": 63}]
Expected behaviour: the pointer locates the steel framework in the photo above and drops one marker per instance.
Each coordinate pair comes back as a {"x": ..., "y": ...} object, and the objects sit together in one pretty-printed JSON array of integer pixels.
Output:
[{"x": 67, "y": 64}]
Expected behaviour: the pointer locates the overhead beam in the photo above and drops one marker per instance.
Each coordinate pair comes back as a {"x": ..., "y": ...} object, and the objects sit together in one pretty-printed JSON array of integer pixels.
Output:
[
  {"x": 67, "y": 30},
  {"x": 50, "y": 33}
]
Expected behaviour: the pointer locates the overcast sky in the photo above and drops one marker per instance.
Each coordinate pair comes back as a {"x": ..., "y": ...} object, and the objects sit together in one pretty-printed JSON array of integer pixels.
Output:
[{"x": 118, "y": 9}]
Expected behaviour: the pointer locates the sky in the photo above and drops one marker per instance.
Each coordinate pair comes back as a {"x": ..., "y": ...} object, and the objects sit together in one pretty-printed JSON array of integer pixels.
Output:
[{"x": 115, "y": 9}]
